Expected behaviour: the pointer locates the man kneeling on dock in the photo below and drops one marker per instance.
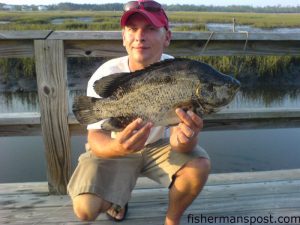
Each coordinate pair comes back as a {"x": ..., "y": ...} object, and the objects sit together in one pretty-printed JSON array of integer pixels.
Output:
[{"x": 107, "y": 172}]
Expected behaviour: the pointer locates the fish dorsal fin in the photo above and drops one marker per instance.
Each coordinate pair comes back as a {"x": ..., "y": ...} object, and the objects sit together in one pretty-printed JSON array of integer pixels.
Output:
[{"x": 106, "y": 86}]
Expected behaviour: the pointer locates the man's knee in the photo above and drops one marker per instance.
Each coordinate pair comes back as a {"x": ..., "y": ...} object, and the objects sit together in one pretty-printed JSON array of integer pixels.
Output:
[
  {"x": 87, "y": 206},
  {"x": 197, "y": 170},
  {"x": 202, "y": 164}
]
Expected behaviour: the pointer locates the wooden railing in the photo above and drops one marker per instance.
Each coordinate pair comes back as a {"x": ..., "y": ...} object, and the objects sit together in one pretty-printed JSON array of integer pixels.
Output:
[{"x": 56, "y": 124}]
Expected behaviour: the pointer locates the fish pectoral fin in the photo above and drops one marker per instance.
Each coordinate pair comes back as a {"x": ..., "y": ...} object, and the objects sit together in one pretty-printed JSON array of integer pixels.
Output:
[
  {"x": 110, "y": 125},
  {"x": 116, "y": 123},
  {"x": 83, "y": 109},
  {"x": 170, "y": 118}
]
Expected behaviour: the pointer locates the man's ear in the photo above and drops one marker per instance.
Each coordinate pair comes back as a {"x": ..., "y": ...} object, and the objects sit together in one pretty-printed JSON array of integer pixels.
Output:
[
  {"x": 123, "y": 36},
  {"x": 168, "y": 38}
]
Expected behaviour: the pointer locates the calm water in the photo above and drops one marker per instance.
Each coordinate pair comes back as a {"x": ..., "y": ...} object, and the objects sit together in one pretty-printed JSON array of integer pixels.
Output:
[
  {"x": 22, "y": 158},
  {"x": 227, "y": 27},
  {"x": 79, "y": 19}
]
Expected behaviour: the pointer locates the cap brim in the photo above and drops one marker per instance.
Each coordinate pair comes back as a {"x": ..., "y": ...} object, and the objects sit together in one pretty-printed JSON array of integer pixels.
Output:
[{"x": 150, "y": 16}]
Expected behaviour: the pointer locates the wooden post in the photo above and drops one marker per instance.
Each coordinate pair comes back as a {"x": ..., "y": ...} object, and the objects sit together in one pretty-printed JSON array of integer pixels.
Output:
[
  {"x": 52, "y": 90},
  {"x": 233, "y": 24}
]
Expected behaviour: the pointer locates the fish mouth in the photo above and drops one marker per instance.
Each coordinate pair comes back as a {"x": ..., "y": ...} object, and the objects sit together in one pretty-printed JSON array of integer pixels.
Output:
[{"x": 205, "y": 108}]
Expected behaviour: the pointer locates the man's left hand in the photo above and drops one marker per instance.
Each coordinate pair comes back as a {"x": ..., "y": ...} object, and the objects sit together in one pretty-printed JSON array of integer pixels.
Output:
[{"x": 187, "y": 130}]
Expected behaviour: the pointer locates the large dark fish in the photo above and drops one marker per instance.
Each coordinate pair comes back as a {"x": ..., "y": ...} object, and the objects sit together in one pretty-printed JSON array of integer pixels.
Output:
[{"x": 154, "y": 93}]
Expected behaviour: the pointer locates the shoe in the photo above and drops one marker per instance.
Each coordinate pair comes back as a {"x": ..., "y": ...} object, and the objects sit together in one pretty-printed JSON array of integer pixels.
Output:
[{"x": 117, "y": 210}]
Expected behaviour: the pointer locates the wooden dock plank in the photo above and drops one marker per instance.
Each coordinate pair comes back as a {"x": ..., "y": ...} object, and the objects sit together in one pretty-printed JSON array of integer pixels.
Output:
[
  {"x": 16, "y": 48},
  {"x": 24, "y": 34},
  {"x": 156, "y": 209},
  {"x": 265, "y": 193},
  {"x": 140, "y": 196},
  {"x": 145, "y": 183},
  {"x": 178, "y": 35},
  {"x": 109, "y": 43}
]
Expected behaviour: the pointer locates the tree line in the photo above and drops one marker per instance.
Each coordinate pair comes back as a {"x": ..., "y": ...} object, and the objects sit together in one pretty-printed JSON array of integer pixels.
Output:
[{"x": 173, "y": 7}]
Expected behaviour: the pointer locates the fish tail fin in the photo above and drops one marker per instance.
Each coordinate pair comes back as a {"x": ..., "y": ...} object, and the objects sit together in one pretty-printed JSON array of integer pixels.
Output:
[{"x": 84, "y": 110}]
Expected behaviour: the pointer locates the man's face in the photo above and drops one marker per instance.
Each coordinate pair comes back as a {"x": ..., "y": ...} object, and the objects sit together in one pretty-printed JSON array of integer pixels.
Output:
[{"x": 144, "y": 42}]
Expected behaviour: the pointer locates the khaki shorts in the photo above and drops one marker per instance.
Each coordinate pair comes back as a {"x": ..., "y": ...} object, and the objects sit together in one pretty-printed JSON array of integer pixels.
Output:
[{"x": 114, "y": 179}]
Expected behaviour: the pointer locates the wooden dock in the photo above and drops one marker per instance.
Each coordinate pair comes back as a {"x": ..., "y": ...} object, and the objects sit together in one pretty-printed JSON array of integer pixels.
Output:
[{"x": 252, "y": 195}]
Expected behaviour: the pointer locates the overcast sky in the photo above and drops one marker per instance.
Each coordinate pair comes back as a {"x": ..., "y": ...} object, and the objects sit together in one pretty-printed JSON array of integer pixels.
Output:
[{"x": 196, "y": 2}]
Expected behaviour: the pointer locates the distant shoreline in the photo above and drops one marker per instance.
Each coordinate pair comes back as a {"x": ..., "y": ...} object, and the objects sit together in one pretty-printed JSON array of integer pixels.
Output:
[{"x": 109, "y": 19}]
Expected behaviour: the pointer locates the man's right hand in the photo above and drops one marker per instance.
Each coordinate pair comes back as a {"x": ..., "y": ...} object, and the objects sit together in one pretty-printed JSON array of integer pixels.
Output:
[{"x": 133, "y": 137}]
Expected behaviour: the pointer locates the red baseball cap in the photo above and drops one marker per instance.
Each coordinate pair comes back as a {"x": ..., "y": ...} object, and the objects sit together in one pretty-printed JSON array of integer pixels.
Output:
[{"x": 151, "y": 10}]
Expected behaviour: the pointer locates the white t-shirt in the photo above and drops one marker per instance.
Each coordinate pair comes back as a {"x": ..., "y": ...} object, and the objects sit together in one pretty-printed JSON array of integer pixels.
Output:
[{"x": 120, "y": 65}]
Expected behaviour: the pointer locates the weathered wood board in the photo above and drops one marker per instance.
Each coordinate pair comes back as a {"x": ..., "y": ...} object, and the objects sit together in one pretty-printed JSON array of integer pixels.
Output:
[{"x": 255, "y": 194}]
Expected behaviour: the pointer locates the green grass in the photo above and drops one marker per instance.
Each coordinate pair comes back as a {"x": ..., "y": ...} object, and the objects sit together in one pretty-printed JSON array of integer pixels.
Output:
[
  {"x": 262, "y": 66},
  {"x": 104, "y": 20},
  {"x": 19, "y": 67},
  {"x": 239, "y": 66},
  {"x": 42, "y": 20}
]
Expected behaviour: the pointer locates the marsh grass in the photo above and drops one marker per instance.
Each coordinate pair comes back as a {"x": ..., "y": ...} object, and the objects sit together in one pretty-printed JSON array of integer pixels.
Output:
[
  {"x": 17, "y": 67},
  {"x": 263, "y": 67},
  {"x": 109, "y": 20},
  {"x": 104, "y": 20},
  {"x": 43, "y": 20}
]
